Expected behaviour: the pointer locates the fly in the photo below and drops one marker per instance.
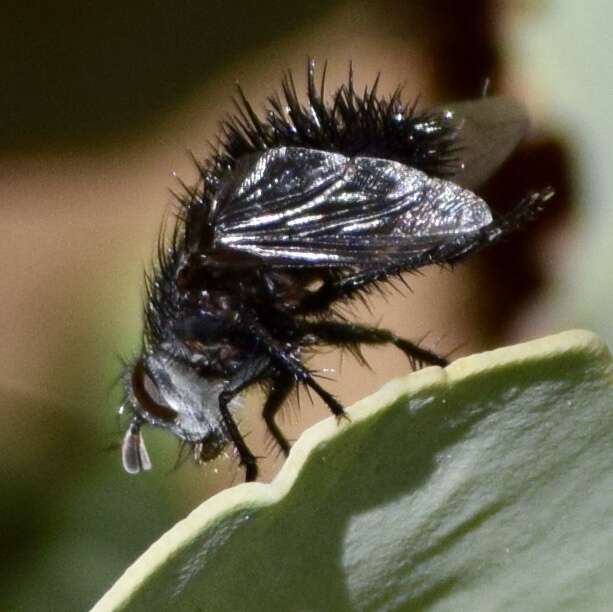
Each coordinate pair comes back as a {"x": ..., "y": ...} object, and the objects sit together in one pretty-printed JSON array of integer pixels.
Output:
[{"x": 294, "y": 214}]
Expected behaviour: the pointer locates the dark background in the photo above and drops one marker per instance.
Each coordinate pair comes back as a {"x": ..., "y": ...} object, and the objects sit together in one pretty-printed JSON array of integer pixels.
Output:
[{"x": 100, "y": 103}]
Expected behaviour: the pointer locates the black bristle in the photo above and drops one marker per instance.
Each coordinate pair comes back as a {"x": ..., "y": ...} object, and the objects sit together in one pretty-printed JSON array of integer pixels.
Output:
[{"x": 349, "y": 123}]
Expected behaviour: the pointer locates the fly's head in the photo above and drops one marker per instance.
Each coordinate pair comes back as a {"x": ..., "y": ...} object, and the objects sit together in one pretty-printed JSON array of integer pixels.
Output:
[{"x": 171, "y": 393}]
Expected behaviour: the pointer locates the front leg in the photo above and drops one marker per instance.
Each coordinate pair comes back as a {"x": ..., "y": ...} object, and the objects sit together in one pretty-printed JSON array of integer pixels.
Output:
[
  {"x": 251, "y": 373},
  {"x": 247, "y": 458}
]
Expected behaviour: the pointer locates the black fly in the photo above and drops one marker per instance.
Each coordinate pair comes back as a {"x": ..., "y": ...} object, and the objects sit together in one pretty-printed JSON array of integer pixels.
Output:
[{"x": 295, "y": 213}]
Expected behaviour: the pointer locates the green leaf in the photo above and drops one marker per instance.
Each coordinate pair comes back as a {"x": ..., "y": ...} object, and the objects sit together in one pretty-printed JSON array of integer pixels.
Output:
[{"x": 484, "y": 486}]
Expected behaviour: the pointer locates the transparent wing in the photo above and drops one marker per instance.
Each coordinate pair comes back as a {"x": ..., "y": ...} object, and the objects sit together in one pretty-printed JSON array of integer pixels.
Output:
[
  {"x": 303, "y": 207},
  {"x": 488, "y": 131}
]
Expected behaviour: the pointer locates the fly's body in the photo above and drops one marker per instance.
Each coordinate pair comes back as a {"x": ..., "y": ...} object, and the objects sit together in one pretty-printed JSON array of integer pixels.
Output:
[{"x": 311, "y": 207}]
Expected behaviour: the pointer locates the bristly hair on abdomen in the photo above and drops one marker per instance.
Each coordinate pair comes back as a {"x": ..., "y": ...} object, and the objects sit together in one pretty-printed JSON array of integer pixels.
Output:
[{"x": 350, "y": 123}]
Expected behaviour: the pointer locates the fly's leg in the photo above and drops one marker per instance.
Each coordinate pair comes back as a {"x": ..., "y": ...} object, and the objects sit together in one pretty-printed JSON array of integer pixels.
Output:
[
  {"x": 346, "y": 334},
  {"x": 288, "y": 363},
  {"x": 247, "y": 458},
  {"x": 281, "y": 386},
  {"x": 250, "y": 374},
  {"x": 293, "y": 366}
]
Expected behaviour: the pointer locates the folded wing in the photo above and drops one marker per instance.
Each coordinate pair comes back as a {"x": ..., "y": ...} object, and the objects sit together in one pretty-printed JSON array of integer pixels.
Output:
[{"x": 303, "y": 207}]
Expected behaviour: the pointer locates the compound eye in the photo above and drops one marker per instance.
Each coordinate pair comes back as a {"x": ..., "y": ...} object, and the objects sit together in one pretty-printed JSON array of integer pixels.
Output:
[{"x": 147, "y": 395}]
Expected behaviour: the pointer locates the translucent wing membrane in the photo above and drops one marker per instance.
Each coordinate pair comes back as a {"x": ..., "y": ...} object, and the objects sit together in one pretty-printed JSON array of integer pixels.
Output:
[
  {"x": 297, "y": 206},
  {"x": 488, "y": 129}
]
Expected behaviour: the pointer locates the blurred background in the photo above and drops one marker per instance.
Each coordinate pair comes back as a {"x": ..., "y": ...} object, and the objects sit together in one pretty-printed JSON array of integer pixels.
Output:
[{"x": 99, "y": 105}]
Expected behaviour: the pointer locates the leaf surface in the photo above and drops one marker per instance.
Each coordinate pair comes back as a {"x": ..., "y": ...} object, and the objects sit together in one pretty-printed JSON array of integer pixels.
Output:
[{"x": 484, "y": 486}]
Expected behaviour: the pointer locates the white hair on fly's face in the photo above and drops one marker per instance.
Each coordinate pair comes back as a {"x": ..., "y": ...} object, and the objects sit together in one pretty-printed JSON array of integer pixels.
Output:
[{"x": 194, "y": 398}]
